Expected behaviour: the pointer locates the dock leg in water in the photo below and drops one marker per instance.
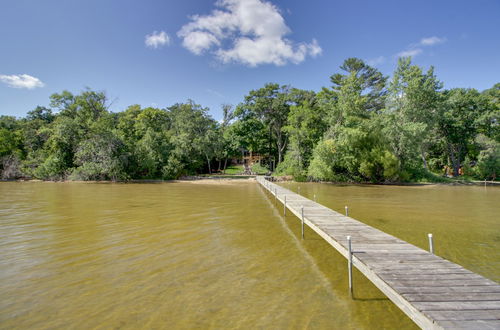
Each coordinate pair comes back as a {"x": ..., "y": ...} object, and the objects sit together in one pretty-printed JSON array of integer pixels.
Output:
[
  {"x": 302, "y": 213},
  {"x": 284, "y": 206},
  {"x": 349, "y": 263},
  {"x": 346, "y": 211}
]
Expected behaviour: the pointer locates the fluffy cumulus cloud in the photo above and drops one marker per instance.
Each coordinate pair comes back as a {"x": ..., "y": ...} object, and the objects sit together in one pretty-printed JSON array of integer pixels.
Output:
[
  {"x": 157, "y": 39},
  {"x": 251, "y": 32},
  {"x": 21, "y": 81}
]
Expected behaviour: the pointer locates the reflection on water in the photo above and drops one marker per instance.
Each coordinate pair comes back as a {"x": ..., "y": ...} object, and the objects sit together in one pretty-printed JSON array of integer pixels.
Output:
[{"x": 184, "y": 255}]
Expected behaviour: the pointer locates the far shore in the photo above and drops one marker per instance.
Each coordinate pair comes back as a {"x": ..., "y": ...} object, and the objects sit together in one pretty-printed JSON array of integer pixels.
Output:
[{"x": 234, "y": 179}]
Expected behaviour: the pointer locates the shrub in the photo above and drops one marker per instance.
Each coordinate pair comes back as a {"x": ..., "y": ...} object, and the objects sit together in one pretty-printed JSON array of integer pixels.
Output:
[{"x": 259, "y": 169}]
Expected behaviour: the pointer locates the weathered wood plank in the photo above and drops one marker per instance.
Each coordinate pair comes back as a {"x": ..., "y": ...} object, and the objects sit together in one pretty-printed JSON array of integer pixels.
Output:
[
  {"x": 433, "y": 277},
  {"x": 469, "y": 324},
  {"x": 447, "y": 289},
  {"x": 435, "y": 282},
  {"x": 456, "y": 305},
  {"x": 464, "y": 315},
  {"x": 447, "y": 296}
]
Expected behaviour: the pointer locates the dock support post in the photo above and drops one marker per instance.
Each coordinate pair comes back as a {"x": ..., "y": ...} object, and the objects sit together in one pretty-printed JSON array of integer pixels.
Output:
[
  {"x": 284, "y": 206},
  {"x": 315, "y": 197},
  {"x": 302, "y": 213},
  {"x": 349, "y": 264},
  {"x": 299, "y": 190},
  {"x": 346, "y": 211},
  {"x": 431, "y": 244}
]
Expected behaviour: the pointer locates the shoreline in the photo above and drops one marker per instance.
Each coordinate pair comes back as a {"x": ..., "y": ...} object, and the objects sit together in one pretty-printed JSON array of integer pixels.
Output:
[
  {"x": 230, "y": 179},
  {"x": 191, "y": 179}
]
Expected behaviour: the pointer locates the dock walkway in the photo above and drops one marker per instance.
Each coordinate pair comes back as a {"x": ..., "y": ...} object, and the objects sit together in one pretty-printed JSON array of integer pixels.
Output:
[{"x": 433, "y": 292}]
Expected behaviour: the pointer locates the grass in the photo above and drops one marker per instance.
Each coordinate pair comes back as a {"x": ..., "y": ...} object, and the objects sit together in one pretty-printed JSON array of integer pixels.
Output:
[{"x": 234, "y": 169}]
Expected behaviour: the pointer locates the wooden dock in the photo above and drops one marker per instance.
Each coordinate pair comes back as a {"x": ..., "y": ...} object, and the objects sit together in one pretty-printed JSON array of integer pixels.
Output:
[{"x": 433, "y": 292}]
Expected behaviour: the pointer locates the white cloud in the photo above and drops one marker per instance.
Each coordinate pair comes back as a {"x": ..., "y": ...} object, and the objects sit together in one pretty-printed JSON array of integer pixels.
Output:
[
  {"x": 21, "y": 81},
  {"x": 157, "y": 39},
  {"x": 251, "y": 32},
  {"x": 410, "y": 52},
  {"x": 416, "y": 48},
  {"x": 430, "y": 41},
  {"x": 197, "y": 41},
  {"x": 375, "y": 61}
]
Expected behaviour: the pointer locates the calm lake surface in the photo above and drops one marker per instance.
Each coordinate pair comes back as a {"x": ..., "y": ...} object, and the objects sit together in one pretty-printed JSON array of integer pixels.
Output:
[{"x": 218, "y": 255}]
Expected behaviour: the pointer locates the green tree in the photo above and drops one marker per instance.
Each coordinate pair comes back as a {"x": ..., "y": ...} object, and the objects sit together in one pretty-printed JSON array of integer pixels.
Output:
[
  {"x": 270, "y": 105},
  {"x": 411, "y": 114},
  {"x": 488, "y": 162},
  {"x": 489, "y": 121},
  {"x": 306, "y": 126},
  {"x": 100, "y": 157},
  {"x": 458, "y": 122},
  {"x": 353, "y": 147},
  {"x": 192, "y": 132}
]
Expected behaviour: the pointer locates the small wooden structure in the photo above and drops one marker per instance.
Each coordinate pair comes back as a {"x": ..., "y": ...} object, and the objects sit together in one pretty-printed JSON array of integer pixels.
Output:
[
  {"x": 433, "y": 292},
  {"x": 248, "y": 158}
]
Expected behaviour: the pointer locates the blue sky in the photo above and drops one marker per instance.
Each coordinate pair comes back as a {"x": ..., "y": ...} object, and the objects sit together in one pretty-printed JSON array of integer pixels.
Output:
[{"x": 158, "y": 52}]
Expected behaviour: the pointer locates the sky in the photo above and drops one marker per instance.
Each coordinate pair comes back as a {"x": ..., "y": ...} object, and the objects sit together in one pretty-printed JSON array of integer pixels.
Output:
[{"x": 161, "y": 52}]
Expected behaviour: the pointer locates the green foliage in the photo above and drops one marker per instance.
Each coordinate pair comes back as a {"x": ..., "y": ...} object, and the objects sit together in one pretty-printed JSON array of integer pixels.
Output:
[
  {"x": 458, "y": 122},
  {"x": 380, "y": 165},
  {"x": 52, "y": 168},
  {"x": 323, "y": 162},
  {"x": 360, "y": 129},
  {"x": 488, "y": 161},
  {"x": 101, "y": 157},
  {"x": 306, "y": 126},
  {"x": 258, "y": 169},
  {"x": 411, "y": 115}
]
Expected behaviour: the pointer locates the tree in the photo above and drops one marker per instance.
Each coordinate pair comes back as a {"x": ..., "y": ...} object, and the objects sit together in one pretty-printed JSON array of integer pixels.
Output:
[
  {"x": 101, "y": 157},
  {"x": 411, "y": 114},
  {"x": 306, "y": 126},
  {"x": 489, "y": 121},
  {"x": 270, "y": 105},
  {"x": 488, "y": 161},
  {"x": 458, "y": 122},
  {"x": 192, "y": 137},
  {"x": 353, "y": 147},
  {"x": 225, "y": 146}
]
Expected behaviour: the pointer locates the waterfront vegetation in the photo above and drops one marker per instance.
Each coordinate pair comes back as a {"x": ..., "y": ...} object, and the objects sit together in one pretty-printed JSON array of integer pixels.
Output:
[{"x": 365, "y": 127}]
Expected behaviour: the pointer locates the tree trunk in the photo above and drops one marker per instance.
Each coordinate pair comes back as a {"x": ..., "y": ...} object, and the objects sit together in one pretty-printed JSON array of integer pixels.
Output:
[
  {"x": 281, "y": 149},
  {"x": 225, "y": 166},
  {"x": 208, "y": 163},
  {"x": 455, "y": 161},
  {"x": 422, "y": 154},
  {"x": 270, "y": 140}
]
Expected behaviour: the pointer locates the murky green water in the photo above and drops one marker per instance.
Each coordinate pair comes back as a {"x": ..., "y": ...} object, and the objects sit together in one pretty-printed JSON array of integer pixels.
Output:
[{"x": 184, "y": 255}]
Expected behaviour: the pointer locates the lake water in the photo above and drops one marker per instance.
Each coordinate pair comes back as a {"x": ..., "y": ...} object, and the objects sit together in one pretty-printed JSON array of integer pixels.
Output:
[{"x": 191, "y": 255}]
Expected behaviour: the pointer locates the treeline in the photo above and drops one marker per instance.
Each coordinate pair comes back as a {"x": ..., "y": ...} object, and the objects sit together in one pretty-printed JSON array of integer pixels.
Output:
[
  {"x": 77, "y": 138},
  {"x": 365, "y": 127}
]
